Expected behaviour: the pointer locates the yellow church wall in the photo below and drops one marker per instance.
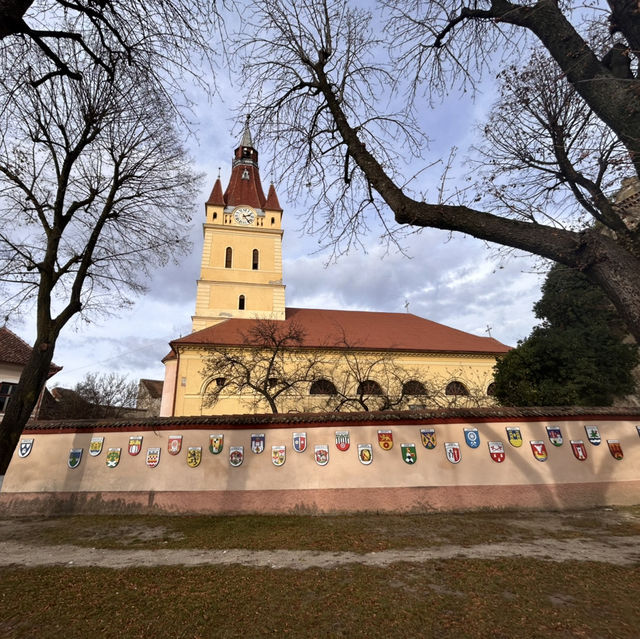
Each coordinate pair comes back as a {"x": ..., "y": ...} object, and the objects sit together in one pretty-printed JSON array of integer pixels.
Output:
[{"x": 435, "y": 370}]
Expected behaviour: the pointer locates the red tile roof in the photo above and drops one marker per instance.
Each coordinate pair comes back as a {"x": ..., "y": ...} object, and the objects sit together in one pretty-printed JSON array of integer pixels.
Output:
[
  {"x": 216, "y": 197},
  {"x": 14, "y": 350},
  {"x": 352, "y": 420},
  {"x": 357, "y": 330},
  {"x": 272, "y": 203},
  {"x": 247, "y": 189}
]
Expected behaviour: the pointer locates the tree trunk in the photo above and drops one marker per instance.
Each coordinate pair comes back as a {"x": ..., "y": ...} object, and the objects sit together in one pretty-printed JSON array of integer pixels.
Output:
[{"x": 24, "y": 399}]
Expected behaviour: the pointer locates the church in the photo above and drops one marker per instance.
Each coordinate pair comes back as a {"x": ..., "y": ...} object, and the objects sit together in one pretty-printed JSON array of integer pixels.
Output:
[{"x": 352, "y": 360}]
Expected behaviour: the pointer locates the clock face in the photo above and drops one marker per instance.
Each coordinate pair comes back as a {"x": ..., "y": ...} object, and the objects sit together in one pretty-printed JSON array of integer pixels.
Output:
[{"x": 244, "y": 215}]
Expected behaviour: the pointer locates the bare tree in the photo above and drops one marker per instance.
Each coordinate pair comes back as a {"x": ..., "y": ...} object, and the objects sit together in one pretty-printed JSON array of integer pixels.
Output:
[
  {"x": 95, "y": 191},
  {"x": 546, "y": 157},
  {"x": 272, "y": 364},
  {"x": 269, "y": 366},
  {"x": 364, "y": 381},
  {"x": 160, "y": 38},
  {"x": 319, "y": 69},
  {"x": 109, "y": 394}
]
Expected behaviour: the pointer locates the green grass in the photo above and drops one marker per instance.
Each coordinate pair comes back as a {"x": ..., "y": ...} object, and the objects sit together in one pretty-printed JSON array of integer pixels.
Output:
[
  {"x": 359, "y": 533},
  {"x": 456, "y": 598}
]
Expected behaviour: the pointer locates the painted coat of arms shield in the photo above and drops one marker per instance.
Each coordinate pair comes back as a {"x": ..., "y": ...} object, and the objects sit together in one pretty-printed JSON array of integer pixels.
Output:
[
  {"x": 472, "y": 437},
  {"x": 514, "y": 436},
  {"x": 593, "y": 435},
  {"x": 216, "y": 443},
  {"x": 385, "y": 439},
  {"x": 342, "y": 440},
  {"x": 95, "y": 446},
  {"x": 539, "y": 450},
  {"x": 453, "y": 452},
  {"x": 428, "y": 438},
  {"x": 579, "y": 449},
  {"x": 75, "y": 456},
  {"x": 26, "y": 446},
  {"x": 175, "y": 444},
  {"x": 257, "y": 443},
  {"x": 278, "y": 455},
  {"x": 615, "y": 448},
  {"x": 409, "y": 454},
  {"x": 299, "y": 442},
  {"x": 555, "y": 435},
  {"x": 236, "y": 455},
  {"x": 496, "y": 450},
  {"x": 153, "y": 457},
  {"x": 321, "y": 454},
  {"x": 194, "y": 456},
  {"x": 113, "y": 457},
  {"x": 135, "y": 444},
  {"x": 365, "y": 453}
]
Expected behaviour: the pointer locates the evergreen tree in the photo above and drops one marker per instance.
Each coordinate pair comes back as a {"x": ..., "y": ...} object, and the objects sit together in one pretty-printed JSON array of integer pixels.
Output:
[{"x": 576, "y": 356}]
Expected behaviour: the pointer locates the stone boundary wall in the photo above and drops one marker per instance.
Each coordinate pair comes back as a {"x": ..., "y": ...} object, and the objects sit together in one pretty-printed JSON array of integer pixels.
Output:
[{"x": 572, "y": 476}]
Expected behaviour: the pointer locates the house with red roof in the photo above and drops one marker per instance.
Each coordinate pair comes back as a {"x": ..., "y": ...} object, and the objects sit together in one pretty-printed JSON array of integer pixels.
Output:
[
  {"x": 347, "y": 354},
  {"x": 14, "y": 354}
]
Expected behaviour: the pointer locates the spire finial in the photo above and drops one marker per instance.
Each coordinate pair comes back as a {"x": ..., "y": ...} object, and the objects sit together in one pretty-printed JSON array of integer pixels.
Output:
[
  {"x": 246, "y": 136},
  {"x": 219, "y": 168}
]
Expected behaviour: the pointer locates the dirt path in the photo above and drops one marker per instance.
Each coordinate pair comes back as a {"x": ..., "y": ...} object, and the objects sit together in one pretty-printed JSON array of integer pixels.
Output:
[{"x": 614, "y": 550}]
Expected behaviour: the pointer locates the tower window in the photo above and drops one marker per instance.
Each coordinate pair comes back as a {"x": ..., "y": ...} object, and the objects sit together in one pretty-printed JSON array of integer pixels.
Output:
[
  {"x": 241, "y": 303},
  {"x": 245, "y": 174},
  {"x": 254, "y": 259},
  {"x": 215, "y": 216},
  {"x": 273, "y": 221},
  {"x": 228, "y": 257}
]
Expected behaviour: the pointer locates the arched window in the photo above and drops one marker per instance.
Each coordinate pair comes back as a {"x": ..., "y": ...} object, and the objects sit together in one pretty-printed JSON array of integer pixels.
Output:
[
  {"x": 413, "y": 387},
  {"x": 322, "y": 387},
  {"x": 491, "y": 390},
  {"x": 215, "y": 216},
  {"x": 273, "y": 221},
  {"x": 456, "y": 388},
  {"x": 241, "y": 303},
  {"x": 228, "y": 257},
  {"x": 369, "y": 387},
  {"x": 255, "y": 259}
]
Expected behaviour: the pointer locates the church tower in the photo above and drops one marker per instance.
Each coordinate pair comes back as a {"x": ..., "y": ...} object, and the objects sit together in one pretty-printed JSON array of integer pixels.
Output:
[{"x": 241, "y": 269}]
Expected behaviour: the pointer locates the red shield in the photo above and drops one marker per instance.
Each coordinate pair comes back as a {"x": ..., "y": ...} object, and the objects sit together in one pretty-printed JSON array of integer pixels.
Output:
[
  {"x": 342, "y": 439},
  {"x": 496, "y": 450},
  {"x": 539, "y": 450},
  {"x": 175, "y": 444},
  {"x": 615, "y": 449},
  {"x": 135, "y": 444},
  {"x": 579, "y": 449}
]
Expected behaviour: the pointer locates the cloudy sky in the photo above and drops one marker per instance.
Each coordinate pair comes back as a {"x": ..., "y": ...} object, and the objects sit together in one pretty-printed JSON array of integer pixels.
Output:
[{"x": 456, "y": 281}]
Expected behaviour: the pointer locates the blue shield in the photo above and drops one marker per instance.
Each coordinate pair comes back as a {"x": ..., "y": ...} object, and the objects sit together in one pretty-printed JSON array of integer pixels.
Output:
[
  {"x": 299, "y": 442},
  {"x": 472, "y": 437}
]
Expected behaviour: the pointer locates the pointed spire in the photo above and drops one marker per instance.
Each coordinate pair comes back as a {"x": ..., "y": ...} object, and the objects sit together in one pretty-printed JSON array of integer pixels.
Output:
[
  {"x": 216, "y": 198},
  {"x": 246, "y": 135},
  {"x": 272, "y": 203}
]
